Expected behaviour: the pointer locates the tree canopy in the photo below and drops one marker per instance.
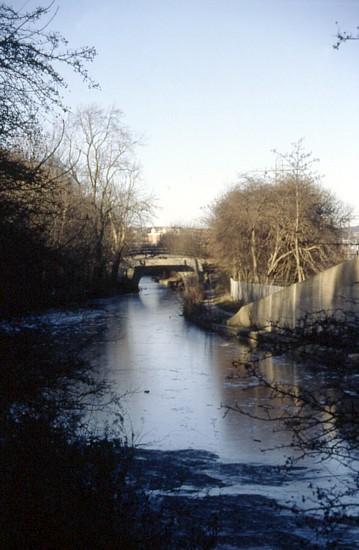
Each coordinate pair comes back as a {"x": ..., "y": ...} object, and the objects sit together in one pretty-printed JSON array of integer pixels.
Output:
[{"x": 280, "y": 228}]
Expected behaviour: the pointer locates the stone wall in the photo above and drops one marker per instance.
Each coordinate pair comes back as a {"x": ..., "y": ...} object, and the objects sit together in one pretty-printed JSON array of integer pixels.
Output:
[{"x": 331, "y": 292}]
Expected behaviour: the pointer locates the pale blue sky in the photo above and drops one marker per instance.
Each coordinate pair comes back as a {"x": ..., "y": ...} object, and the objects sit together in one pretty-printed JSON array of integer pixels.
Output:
[{"x": 214, "y": 85}]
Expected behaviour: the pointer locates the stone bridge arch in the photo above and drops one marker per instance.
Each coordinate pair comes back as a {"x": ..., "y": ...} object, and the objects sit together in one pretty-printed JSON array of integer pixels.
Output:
[{"x": 141, "y": 266}]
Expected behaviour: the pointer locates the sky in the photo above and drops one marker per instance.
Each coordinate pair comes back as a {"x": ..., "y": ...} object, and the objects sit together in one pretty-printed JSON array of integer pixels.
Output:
[{"x": 213, "y": 86}]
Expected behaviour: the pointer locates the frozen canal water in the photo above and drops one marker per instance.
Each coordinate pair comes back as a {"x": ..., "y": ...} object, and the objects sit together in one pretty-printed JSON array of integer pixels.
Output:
[{"x": 176, "y": 380}]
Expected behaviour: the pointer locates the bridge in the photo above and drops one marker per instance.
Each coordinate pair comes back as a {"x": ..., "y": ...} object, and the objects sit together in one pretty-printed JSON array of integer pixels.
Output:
[{"x": 155, "y": 264}]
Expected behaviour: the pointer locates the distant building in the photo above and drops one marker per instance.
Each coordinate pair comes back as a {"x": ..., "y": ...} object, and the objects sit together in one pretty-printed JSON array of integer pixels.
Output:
[{"x": 154, "y": 234}]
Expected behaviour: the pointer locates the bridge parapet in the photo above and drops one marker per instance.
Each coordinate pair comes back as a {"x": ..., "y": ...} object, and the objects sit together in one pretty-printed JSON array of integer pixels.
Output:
[
  {"x": 146, "y": 250},
  {"x": 166, "y": 260},
  {"x": 141, "y": 265}
]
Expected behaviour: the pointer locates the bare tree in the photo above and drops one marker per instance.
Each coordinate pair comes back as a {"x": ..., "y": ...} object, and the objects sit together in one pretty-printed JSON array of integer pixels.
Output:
[
  {"x": 189, "y": 241},
  {"x": 131, "y": 210},
  {"x": 312, "y": 219},
  {"x": 30, "y": 82},
  {"x": 101, "y": 153},
  {"x": 238, "y": 228},
  {"x": 280, "y": 228},
  {"x": 344, "y": 36}
]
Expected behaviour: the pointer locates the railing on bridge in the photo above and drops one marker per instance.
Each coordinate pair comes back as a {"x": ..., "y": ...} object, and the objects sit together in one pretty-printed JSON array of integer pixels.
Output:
[{"x": 146, "y": 250}]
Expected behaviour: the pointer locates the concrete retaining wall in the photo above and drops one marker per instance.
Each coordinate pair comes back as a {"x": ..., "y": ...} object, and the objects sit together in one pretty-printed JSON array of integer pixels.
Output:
[
  {"x": 249, "y": 292},
  {"x": 332, "y": 291}
]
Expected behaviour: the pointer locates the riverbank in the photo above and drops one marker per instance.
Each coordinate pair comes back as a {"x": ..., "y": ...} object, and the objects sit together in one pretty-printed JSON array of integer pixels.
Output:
[
  {"x": 62, "y": 486},
  {"x": 78, "y": 301},
  {"x": 173, "y": 380},
  {"x": 331, "y": 342}
]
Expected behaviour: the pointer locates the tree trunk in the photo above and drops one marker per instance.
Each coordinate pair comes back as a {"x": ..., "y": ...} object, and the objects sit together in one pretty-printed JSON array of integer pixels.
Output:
[
  {"x": 115, "y": 267},
  {"x": 300, "y": 275},
  {"x": 254, "y": 256}
]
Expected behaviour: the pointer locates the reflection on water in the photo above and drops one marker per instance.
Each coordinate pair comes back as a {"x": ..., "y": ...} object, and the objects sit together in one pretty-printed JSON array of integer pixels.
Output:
[{"x": 178, "y": 377}]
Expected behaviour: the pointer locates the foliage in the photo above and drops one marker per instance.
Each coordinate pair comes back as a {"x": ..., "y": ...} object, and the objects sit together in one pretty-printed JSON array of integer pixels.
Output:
[
  {"x": 23, "y": 250},
  {"x": 278, "y": 229}
]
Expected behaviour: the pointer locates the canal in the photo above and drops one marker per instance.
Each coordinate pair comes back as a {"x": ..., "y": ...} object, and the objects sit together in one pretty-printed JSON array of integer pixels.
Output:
[
  {"x": 175, "y": 381},
  {"x": 177, "y": 378}
]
